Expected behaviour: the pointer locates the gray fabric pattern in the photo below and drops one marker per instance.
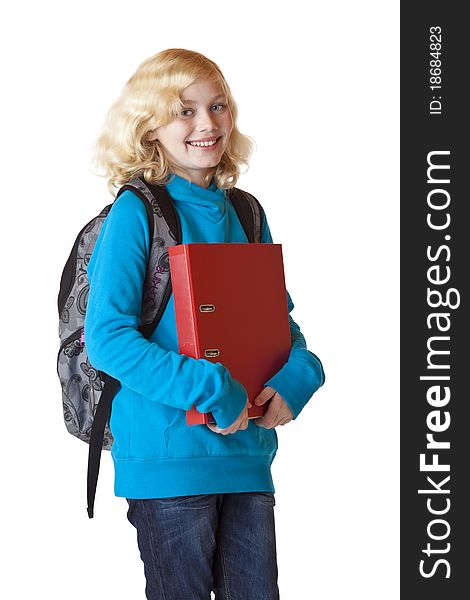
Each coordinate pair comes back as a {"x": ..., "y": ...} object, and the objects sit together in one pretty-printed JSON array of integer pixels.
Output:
[
  {"x": 81, "y": 390},
  {"x": 73, "y": 313},
  {"x": 81, "y": 384}
]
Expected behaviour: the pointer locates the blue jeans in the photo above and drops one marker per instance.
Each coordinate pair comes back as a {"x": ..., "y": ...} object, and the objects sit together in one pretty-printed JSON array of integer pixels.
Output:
[{"x": 192, "y": 545}]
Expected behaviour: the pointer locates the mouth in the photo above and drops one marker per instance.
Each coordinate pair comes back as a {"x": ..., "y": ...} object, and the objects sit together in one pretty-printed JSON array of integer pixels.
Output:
[{"x": 206, "y": 144}]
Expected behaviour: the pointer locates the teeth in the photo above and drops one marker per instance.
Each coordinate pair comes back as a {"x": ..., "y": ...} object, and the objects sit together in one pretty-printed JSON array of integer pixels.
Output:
[{"x": 202, "y": 143}]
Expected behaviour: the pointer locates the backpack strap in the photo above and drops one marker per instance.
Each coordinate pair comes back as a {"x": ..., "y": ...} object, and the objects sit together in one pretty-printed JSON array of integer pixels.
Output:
[
  {"x": 249, "y": 212},
  {"x": 100, "y": 419},
  {"x": 167, "y": 232}
]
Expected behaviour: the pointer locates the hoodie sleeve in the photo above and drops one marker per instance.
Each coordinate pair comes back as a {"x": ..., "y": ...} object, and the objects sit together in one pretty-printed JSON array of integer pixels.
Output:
[
  {"x": 116, "y": 272},
  {"x": 302, "y": 374}
]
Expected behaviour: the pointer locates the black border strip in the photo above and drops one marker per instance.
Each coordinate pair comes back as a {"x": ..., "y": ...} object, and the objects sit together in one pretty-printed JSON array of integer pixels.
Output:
[{"x": 435, "y": 259}]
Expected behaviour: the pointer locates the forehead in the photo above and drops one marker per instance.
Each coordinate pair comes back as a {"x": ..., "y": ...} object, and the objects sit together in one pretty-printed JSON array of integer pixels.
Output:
[{"x": 202, "y": 91}]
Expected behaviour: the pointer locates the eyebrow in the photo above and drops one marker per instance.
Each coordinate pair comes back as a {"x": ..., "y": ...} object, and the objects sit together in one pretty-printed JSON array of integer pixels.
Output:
[{"x": 213, "y": 99}]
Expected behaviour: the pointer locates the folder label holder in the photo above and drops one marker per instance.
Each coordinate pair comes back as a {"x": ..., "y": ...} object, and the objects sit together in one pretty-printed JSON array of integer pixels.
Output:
[{"x": 204, "y": 308}]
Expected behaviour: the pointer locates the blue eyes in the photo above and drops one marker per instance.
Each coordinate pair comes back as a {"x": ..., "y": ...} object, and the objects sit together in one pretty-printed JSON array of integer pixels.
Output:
[{"x": 187, "y": 111}]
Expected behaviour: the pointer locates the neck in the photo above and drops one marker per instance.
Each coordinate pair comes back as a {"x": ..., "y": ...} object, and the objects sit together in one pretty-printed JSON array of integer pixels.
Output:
[{"x": 198, "y": 180}]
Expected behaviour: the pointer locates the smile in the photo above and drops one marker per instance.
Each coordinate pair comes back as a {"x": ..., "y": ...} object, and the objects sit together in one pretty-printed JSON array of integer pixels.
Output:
[{"x": 204, "y": 144}]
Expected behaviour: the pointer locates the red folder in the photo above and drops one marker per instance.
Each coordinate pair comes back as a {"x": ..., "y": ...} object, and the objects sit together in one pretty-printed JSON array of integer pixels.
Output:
[{"x": 231, "y": 307}]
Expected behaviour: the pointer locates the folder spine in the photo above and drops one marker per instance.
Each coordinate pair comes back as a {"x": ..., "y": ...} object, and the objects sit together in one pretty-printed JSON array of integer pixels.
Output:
[{"x": 186, "y": 314}]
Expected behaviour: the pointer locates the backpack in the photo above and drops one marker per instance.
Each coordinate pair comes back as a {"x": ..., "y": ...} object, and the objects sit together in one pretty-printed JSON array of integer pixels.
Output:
[{"x": 87, "y": 393}]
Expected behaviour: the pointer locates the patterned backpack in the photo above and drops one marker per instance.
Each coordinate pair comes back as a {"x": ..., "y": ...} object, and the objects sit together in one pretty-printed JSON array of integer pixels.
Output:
[{"x": 87, "y": 393}]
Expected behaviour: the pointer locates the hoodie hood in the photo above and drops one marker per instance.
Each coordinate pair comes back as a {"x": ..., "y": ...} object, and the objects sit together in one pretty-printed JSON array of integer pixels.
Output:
[{"x": 210, "y": 203}]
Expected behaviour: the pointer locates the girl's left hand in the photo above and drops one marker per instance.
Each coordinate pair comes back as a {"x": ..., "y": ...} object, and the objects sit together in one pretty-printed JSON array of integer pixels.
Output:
[{"x": 277, "y": 413}]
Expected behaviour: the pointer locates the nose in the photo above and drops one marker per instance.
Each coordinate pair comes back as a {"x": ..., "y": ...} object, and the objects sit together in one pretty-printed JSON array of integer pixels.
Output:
[{"x": 205, "y": 120}]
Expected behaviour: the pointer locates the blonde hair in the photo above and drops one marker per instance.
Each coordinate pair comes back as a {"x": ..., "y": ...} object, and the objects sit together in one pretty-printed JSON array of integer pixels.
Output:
[{"x": 151, "y": 98}]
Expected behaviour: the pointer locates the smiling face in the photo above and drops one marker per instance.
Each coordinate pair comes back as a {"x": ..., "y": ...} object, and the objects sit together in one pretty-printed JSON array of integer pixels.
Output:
[{"x": 196, "y": 139}]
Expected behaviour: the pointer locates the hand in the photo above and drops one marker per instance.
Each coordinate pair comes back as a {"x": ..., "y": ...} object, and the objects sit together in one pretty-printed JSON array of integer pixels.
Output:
[
  {"x": 240, "y": 423},
  {"x": 277, "y": 413}
]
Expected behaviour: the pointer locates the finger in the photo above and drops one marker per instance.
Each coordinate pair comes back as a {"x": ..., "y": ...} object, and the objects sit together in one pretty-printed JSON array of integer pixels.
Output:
[
  {"x": 217, "y": 429},
  {"x": 275, "y": 421},
  {"x": 234, "y": 427},
  {"x": 264, "y": 423},
  {"x": 265, "y": 395},
  {"x": 271, "y": 417},
  {"x": 244, "y": 422},
  {"x": 238, "y": 424}
]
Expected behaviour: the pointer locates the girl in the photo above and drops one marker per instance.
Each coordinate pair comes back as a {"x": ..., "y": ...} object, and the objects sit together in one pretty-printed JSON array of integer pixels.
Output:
[{"x": 201, "y": 497}]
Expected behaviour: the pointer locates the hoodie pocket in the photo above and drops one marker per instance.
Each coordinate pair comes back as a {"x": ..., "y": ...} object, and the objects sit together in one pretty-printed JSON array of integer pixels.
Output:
[
  {"x": 184, "y": 441},
  {"x": 172, "y": 426},
  {"x": 150, "y": 428}
]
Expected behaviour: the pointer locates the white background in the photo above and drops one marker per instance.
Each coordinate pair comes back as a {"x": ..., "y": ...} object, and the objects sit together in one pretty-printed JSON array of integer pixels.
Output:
[{"x": 317, "y": 88}]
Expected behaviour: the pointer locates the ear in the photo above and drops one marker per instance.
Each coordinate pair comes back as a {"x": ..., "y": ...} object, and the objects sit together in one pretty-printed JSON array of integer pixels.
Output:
[{"x": 152, "y": 135}]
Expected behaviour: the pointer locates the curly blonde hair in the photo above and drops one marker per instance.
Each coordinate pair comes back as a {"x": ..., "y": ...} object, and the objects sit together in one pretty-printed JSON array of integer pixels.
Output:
[{"x": 151, "y": 98}]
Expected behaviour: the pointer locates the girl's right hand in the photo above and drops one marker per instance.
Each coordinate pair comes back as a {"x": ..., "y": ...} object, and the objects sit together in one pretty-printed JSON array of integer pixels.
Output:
[{"x": 240, "y": 423}]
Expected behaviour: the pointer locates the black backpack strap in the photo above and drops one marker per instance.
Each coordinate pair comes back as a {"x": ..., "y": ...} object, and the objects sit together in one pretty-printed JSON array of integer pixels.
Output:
[
  {"x": 165, "y": 204},
  {"x": 100, "y": 418},
  {"x": 111, "y": 385},
  {"x": 167, "y": 207},
  {"x": 249, "y": 212}
]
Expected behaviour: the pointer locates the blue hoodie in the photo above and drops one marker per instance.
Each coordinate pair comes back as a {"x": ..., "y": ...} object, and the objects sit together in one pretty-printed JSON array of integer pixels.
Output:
[{"x": 155, "y": 454}]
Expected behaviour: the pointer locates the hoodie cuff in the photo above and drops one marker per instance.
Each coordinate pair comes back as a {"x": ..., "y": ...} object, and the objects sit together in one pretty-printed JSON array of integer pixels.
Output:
[
  {"x": 231, "y": 404},
  {"x": 295, "y": 388}
]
